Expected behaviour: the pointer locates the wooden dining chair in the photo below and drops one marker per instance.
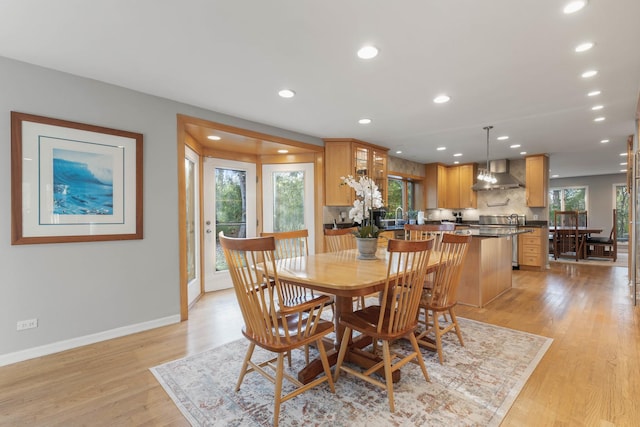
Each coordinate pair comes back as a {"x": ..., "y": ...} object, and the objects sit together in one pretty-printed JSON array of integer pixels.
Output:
[
  {"x": 442, "y": 297},
  {"x": 428, "y": 231},
  {"x": 602, "y": 246},
  {"x": 291, "y": 244},
  {"x": 566, "y": 236},
  {"x": 394, "y": 318},
  {"x": 278, "y": 329},
  {"x": 341, "y": 239}
]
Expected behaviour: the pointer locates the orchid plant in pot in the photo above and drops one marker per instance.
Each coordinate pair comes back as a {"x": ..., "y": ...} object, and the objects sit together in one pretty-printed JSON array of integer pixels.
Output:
[{"x": 368, "y": 197}]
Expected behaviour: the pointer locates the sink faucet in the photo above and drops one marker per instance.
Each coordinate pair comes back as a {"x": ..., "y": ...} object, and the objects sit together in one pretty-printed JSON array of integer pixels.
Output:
[{"x": 401, "y": 213}]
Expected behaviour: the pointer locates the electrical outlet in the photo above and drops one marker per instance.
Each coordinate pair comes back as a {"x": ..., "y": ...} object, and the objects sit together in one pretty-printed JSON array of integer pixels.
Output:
[{"x": 26, "y": 324}]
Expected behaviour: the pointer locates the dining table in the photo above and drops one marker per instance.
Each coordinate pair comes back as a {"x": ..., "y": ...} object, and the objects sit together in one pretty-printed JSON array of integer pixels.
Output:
[
  {"x": 583, "y": 233},
  {"x": 345, "y": 276}
]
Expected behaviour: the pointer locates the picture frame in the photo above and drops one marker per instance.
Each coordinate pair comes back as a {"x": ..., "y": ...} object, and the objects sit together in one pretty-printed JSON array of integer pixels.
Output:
[{"x": 74, "y": 182}]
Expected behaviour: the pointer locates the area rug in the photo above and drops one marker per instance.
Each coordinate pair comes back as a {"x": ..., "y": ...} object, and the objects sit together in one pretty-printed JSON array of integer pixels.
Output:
[{"x": 475, "y": 386}]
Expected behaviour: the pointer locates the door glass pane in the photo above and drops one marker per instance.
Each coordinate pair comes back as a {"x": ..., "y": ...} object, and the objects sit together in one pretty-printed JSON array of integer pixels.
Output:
[
  {"x": 189, "y": 168},
  {"x": 231, "y": 208},
  {"x": 288, "y": 201},
  {"x": 622, "y": 212}
]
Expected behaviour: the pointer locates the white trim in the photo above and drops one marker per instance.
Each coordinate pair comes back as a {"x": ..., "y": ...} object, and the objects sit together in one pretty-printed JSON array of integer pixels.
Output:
[{"x": 44, "y": 350}]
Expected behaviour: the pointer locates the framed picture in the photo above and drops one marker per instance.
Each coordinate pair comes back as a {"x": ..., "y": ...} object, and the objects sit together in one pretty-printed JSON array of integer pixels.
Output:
[{"x": 72, "y": 182}]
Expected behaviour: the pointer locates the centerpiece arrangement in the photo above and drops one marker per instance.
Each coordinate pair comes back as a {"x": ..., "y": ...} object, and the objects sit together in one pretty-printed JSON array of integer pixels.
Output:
[{"x": 368, "y": 197}]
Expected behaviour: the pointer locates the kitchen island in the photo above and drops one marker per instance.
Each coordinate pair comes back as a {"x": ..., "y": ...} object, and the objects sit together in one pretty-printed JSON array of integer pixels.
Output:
[{"x": 487, "y": 270}]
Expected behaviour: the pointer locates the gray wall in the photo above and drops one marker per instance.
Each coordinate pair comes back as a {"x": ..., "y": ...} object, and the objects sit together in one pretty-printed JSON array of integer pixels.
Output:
[
  {"x": 81, "y": 289},
  {"x": 601, "y": 202}
]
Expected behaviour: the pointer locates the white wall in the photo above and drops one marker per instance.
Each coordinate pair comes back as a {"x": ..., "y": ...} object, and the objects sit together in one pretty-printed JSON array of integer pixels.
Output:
[{"x": 87, "y": 291}]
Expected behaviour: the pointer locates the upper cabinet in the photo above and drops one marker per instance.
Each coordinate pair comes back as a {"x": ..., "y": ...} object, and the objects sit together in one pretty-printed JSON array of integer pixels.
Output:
[
  {"x": 537, "y": 180},
  {"x": 467, "y": 198},
  {"x": 352, "y": 157},
  {"x": 435, "y": 186},
  {"x": 450, "y": 187}
]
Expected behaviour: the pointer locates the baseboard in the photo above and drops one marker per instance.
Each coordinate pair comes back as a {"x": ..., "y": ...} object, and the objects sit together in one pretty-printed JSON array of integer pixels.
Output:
[{"x": 44, "y": 350}]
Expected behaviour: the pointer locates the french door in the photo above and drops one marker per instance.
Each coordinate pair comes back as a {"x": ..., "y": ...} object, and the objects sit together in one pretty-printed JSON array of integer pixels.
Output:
[
  {"x": 230, "y": 207},
  {"x": 288, "y": 198},
  {"x": 192, "y": 196}
]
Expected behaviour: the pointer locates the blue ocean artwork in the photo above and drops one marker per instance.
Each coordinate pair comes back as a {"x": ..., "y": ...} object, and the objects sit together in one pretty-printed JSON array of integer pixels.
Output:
[{"x": 82, "y": 183}]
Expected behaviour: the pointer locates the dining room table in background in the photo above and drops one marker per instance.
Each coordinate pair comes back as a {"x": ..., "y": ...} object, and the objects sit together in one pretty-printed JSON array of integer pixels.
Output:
[
  {"x": 583, "y": 233},
  {"x": 345, "y": 276}
]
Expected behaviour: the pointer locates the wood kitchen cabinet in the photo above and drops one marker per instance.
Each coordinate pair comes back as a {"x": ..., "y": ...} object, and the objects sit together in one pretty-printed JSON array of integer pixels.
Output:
[
  {"x": 347, "y": 156},
  {"x": 533, "y": 249},
  {"x": 450, "y": 187},
  {"x": 460, "y": 178},
  {"x": 435, "y": 187},
  {"x": 537, "y": 180},
  {"x": 468, "y": 197}
]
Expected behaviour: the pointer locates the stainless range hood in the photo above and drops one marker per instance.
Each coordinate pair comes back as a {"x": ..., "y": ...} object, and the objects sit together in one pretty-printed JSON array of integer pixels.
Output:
[{"x": 499, "y": 169}]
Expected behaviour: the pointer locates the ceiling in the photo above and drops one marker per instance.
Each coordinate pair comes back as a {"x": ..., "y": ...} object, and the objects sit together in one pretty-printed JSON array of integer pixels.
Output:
[{"x": 506, "y": 63}]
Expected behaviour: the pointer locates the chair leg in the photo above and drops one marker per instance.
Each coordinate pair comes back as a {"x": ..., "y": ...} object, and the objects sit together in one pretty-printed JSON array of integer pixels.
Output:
[
  {"x": 438, "y": 333},
  {"x": 325, "y": 364},
  {"x": 278, "y": 392},
  {"x": 454, "y": 320},
  {"x": 245, "y": 364},
  {"x": 342, "y": 352},
  {"x": 388, "y": 374},
  {"x": 416, "y": 348}
]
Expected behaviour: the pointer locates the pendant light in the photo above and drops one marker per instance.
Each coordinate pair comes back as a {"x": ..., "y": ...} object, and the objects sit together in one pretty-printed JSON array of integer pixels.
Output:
[{"x": 485, "y": 174}]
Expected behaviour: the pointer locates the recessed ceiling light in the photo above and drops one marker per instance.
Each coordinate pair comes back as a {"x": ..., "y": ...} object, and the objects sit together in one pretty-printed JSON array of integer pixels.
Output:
[
  {"x": 364, "y": 121},
  {"x": 522, "y": 153},
  {"x": 583, "y": 47},
  {"x": 599, "y": 119},
  {"x": 589, "y": 73},
  {"x": 514, "y": 146},
  {"x": 283, "y": 151},
  {"x": 597, "y": 107},
  {"x": 441, "y": 148},
  {"x": 287, "y": 93},
  {"x": 399, "y": 152},
  {"x": 555, "y": 176},
  {"x": 623, "y": 163},
  {"x": 367, "y": 52},
  {"x": 623, "y": 170},
  {"x": 214, "y": 137},
  {"x": 441, "y": 99},
  {"x": 502, "y": 138},
  {"x": 456, "y": 162},
  {"x": 594, "y": 93},
  {"x": 623, "y": 154},
  {"x": 574, "y": 6},
  {"x": 604, "y": 141},
  {"x": 457, "y": 155}
]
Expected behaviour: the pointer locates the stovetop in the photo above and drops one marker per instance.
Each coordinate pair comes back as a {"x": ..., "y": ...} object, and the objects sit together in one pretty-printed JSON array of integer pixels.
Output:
[{"x": 512, "y": 220}]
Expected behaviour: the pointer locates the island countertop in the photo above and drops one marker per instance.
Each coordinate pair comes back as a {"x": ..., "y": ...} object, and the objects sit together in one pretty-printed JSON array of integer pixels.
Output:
[{"x": 493, "y": 231}]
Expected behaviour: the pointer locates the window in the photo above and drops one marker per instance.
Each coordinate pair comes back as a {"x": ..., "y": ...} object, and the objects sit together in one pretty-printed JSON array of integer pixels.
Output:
[
  {"x": 400, "y": 193},
  {"x": 622, "y": 211},
  {"x": 567, "y": 199}
]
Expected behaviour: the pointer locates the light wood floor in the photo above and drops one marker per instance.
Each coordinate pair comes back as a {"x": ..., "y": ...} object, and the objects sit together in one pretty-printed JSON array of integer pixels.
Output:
[{"x": 589, "y": 377}]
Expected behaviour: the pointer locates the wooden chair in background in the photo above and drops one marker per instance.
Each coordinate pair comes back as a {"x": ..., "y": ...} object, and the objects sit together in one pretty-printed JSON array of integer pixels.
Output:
[
  {"x": 395, "y": 317},
  {"x": 441, "y": 298},
  {"x": 566, "y": 235},
  {"x": 276, "y": 329},
  {"x": 604, "y": 247},
  {"x": 340, "y": 239},
  {"x": 427, "y": 231}
]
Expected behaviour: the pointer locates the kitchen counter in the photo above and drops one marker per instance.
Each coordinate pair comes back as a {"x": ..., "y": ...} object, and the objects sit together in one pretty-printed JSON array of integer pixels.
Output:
[{"x": 487, "y": 270}]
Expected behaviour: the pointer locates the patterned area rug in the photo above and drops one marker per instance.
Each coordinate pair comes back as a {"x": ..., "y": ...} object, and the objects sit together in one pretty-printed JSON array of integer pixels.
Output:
[{"x": 476, "y": 385}]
